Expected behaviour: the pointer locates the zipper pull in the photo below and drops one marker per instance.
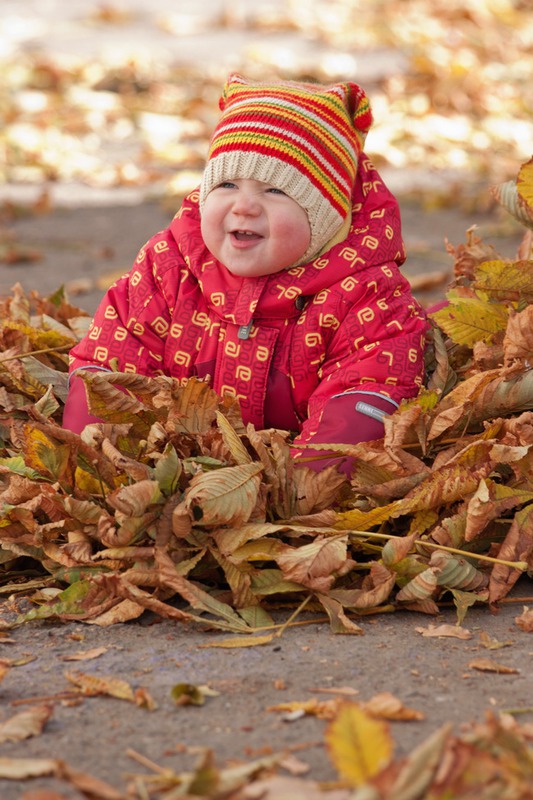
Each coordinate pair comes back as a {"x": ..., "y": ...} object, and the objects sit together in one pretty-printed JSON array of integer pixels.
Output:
[{"x": 244, "y": 330}]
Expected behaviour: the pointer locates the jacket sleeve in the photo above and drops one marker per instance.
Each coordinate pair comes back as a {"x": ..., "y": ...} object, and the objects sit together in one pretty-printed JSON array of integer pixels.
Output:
[
  {"x": 130, "y": 326},
  {"x": 374, "y": 360}
]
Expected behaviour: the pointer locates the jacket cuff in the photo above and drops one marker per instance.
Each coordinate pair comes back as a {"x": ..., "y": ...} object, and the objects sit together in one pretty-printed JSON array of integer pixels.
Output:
[{"x": 347, "y": 418}]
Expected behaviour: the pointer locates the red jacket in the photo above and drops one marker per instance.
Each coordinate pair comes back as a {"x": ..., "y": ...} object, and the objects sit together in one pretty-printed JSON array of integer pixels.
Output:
[{"x": 292, "y": 346}]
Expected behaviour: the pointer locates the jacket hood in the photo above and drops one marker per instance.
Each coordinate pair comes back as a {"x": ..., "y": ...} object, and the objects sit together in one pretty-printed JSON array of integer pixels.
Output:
[{"x": 374, "y": 239}]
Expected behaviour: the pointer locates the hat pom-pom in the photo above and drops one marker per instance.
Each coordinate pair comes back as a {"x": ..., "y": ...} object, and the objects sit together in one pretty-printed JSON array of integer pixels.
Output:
[{"x": 358, "y": 106}]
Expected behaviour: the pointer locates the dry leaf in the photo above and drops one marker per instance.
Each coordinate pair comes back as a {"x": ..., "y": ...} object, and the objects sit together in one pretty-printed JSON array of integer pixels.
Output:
[
  {"x": 20, "y": 769},
  {"x": 93, "y": 685},
  {"x": 491, "y": 643},
  {"x": 453, "y": 631},
  {"x": 323, "y": 709},
  {"x": 240, "y": 641},
  {"x": 25, "y": 724},
  {"x": 525, "y": 620},
  {"x": 386, "y": 706},
  {"x": 359, "y": 745},
  {"x": 487, "y": 665},
  {"x": 85, "y": 655}
]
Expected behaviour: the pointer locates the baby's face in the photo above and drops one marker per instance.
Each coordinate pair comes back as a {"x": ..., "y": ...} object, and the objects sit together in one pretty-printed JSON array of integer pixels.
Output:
[{"x": 253, "y": 228}]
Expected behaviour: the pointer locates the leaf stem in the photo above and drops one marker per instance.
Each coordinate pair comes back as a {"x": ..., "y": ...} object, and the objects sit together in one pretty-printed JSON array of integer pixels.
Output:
[
  {"x": 521, "y": 565},
  {"x": 37, "y": 353},
  {"x": 293, "y": 616}
]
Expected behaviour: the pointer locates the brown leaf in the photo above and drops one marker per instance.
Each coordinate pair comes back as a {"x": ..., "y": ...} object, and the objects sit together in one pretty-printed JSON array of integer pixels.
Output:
[
  {"x": 315, "y": 491},
  {"x": 525, "y": 620},
  {"x": 93, "y": 685},
  {"x": 25, "y": 724},
  {"x": 314, "y": 564},
  {"x": 453, "y": 631},
  {"x": 323, "y": 709},
  {"x": 376, "y": 589},
  {"x": 90, "y": 786},
  {"x": 517, "y": 546},
  {"x": 468, "y": 256},
  {"x": 488, "y": 665},
  {"x": 386, "y": 706},
  {"x": 85, "y": 655},
  {"x": 491, "y": 643},
  {"x": 20, "y": 769},
  {"x": 518, "y": 341}
]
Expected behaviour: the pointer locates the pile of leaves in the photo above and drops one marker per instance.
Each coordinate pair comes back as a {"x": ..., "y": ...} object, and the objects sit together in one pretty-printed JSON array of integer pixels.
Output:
[{"x": 173, "y": 505}]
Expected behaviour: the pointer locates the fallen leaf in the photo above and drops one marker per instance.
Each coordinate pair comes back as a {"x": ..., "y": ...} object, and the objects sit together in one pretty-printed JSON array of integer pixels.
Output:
[
  {"x": 187, "y": 694},
  {"x": 19, "y": 769},
  {"x": 94, "y": 685},
  {"x": 359, "y": 745},
  {"x": 323, "y": 709},
  {"x": 525, "y": 620},
  {"x": 25, "y": 724},
  {"x": 488, "y": 665},
  {"x": 386, "y": 706},
  {"x": 294, "y": 766},
  {"x": 240, "y": 641},
  {"x": 491, "y": 643},
  {"x": 455, "y": 631},
  {"x": 85, "y": 655},
  {"x": 90, "y": 786}
]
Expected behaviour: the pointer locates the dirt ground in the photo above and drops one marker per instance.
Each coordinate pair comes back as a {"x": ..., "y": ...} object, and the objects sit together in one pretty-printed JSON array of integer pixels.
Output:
[{"x": 101, "y": 735}]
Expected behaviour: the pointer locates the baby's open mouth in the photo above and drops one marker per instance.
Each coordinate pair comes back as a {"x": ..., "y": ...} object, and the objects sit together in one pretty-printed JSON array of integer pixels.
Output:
[{"x": 245, "y": 236}]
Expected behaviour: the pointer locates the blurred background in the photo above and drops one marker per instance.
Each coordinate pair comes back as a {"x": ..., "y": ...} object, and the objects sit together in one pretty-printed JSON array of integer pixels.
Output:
[{"x": 106, "y": 111}]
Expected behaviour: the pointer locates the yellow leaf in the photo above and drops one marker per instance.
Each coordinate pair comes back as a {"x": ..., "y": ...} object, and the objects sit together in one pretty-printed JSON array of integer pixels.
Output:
[
  {"x": 472, "y": 320},
  {"x": 226, "y": 496},
  {"x": 359, "y": 745},
  {"x": 188, "y": 694},
  {"x": 504, "y": 280},
  {"x": 240, "y": 641},
  {"x": 525, "y": 182},
  {"x": 233, "y": 440}
]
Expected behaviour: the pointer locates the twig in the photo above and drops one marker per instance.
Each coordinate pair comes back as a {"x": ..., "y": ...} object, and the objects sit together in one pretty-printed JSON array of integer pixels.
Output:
[
  {"x": 146, "y": 762},
  {"x": 45, "y": 699},
  {"x": 37, "y": 353}
]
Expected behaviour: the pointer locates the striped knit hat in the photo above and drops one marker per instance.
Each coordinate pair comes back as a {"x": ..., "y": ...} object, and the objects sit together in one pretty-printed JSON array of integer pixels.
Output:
[{"x": 302, "y": 138}]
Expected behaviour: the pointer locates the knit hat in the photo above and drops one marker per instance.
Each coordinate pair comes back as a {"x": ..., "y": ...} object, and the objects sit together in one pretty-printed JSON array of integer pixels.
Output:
[{"x": 304, "y": 139}]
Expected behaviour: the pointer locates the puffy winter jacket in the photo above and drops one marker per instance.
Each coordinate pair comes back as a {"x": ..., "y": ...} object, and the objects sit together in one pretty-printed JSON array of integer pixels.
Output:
[{"x": 300, "y": 349}]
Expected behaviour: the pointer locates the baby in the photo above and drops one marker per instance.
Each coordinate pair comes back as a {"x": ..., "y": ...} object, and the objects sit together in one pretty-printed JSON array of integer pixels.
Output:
[{"x": 278, "y": 280}]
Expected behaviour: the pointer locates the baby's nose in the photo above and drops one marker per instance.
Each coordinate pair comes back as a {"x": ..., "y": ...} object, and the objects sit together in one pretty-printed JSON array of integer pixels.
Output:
[{"x": 246, "y": 203}]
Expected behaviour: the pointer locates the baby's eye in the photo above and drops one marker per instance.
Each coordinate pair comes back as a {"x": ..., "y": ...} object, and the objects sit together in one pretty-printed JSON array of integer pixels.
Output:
[
  {"x": 273, "y": 190},
  {"x": 226, "y": 185}
]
